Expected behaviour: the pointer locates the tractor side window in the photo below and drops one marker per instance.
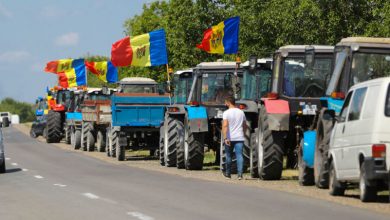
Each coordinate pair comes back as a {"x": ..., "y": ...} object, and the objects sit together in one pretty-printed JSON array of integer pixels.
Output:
[
  {"x": 357, "y": 104},
  {"x": 344, "y": 110},
  {"x": 366, "y": 66}
]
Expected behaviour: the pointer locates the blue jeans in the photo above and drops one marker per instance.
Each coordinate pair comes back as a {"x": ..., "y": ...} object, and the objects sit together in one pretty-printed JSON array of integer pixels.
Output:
[{"x": 237, "y": 146}]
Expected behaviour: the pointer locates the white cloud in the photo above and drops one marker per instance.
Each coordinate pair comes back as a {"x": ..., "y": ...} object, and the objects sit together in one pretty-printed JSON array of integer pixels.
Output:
[
  {"x": 4, "y": 12},
  {"x": 14, "y": 56},
  {"x": 69, "y": 39}
]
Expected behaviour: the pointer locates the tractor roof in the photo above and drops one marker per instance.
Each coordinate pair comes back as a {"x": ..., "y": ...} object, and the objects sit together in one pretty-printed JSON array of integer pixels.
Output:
[
  {"x": 259, "y": 61},
  {"x": 365, "y": 42},
  {"x": 216, "y": 65},
  {"x": 179, "y": 72},
  {"x": 302, "y": 48},
  {"x": 137, "y": 80}
]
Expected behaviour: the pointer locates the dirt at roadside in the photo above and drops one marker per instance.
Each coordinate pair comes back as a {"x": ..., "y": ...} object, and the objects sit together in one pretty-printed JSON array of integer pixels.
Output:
[{"x": 290, "y": 186}]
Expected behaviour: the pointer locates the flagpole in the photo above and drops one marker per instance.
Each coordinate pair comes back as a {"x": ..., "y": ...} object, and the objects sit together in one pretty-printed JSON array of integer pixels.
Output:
[{"x": 169, "y": 84}]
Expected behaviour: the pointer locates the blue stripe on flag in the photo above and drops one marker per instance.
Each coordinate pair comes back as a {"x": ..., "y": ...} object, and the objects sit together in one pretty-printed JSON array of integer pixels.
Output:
[{"x": 158, "y": 48}]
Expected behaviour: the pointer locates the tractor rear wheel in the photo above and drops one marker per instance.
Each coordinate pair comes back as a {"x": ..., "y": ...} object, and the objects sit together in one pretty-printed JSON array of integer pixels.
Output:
[
  {"x": 5, "y": 122},
  {"x": 269, "y": 149},
  {"x": 253, "y": 156},
  {"x": 90, "y": 139},
  {"x": 161, "y": 146},
  {"x": 84, "y": 135},
  {"x": 100, "y": 141},
  {"x": 2, "y": 166},
  {"x": 54, "y": 127},
  {"x": 193, "y": 148},
  {"x": 108, "y": 142},
  {"x": 170, "y": 140},
  {"x": 67, "y": 134},
  {"x": 120, "y": 150}
]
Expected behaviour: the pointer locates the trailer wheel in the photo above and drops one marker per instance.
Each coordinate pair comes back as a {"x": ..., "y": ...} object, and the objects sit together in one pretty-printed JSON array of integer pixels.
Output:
[
  {"x": 161, "y": 146},
  {"x": 180, "y": 157},
  {"x": 100, "y": 141},
  {"x": 32, "y": 132},
  {"x": 54, "y": 127},
  {"x": 336, "y": 188},
  {"x": 193, "y": 148},
  {"x": 306, "y": 176},
  {"x": 253, "y": 156},
  {"x": 108, "y": 142},
  {"x": 120, "y": 150},
  {"x": 67, "y": 134},
  {"x": 84, "y": 135},
  {"x": 113, "y": 142},
  {"x": 321, "y": 165},
  {"x": 269, "y": 150},
  {"x": 77, "y": 138},
  {"x": 368, "y": 190},
  {"x": 90, "y": 138}
]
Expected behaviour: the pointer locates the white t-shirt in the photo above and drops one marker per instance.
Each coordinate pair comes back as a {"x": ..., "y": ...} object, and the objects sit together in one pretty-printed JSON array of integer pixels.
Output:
[{"x": 235, "y": 118}]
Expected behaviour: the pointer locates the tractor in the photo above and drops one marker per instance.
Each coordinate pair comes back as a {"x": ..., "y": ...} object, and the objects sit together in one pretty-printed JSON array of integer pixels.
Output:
[
  {"x": 39, "y": 123},
  {"x": 73, "y": 118}
]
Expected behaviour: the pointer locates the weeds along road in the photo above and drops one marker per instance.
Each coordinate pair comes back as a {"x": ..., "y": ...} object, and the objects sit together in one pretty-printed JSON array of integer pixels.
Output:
[{"x": 47, "y": 182}]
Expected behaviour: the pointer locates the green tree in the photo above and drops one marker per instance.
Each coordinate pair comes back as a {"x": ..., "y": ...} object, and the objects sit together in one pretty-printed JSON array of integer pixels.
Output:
[{"x": 23, "y": 109}]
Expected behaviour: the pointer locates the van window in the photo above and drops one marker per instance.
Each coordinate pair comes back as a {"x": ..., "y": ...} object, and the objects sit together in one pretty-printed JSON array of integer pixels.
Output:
[
  {"x": 344, "y": 110},
  {"x": 371, "y": 100},
  {"x": 357, "y": 103},
  {"x": 387, "y": 107}
]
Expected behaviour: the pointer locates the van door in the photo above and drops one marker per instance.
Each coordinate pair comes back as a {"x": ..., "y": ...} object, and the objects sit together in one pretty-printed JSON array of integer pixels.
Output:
[
  {"x": 338, "y": 139},
  {"x": 354, "y": 131}
]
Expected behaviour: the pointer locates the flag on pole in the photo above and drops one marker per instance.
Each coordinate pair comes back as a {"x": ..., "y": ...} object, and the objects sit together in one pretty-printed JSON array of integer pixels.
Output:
[
  {"x": 62, "y": 65},
  {"x": 221, "y": 38},
  {"x": 142, "y": 50},
  {"x": 73, "y": 77},
  {"x": 104, "y": 70}
]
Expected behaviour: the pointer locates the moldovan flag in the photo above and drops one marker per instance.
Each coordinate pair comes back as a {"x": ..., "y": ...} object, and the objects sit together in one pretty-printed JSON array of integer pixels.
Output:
[
  {"x": 104, "y": 70},
  {"x": 142, "y": 50},
  {"x": 73, "y": 77},
  {"x": 62, "y": 65},
  {"x": 221, "y": 38}
]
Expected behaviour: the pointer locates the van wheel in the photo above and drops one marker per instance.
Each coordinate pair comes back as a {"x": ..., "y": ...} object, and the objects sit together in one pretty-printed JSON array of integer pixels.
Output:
[
  {"x": 368, "y": 190},
  {"x": 336, "y": 188}
]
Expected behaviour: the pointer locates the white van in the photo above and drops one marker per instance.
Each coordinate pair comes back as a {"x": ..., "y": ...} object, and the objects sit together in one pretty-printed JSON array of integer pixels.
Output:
[{"x": 359, "y": 149}]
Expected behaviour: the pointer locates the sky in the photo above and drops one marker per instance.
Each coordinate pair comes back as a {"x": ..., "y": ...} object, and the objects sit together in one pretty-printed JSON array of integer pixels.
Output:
[{"x": 33, "y": 32}]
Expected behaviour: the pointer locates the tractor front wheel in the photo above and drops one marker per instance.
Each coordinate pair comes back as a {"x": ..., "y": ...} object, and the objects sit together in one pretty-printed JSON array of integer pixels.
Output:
[{"x": 54, "y": 127}]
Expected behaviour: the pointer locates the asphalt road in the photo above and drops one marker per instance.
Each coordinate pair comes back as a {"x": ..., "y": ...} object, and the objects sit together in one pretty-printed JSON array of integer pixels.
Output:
[{"x": 45, "y": 182}]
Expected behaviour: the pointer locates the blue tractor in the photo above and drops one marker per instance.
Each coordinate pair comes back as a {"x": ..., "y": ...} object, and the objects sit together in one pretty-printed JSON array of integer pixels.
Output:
[
  {"x": 138, "y": 109},
  {"x": 357, "y": 59},
  {"x": 39, "y": 123},
  {"x": 190, "y": 127}
]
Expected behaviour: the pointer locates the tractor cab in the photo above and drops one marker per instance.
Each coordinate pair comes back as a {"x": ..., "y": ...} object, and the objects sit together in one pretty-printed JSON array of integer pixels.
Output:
[
  {"x": 182, "y": 81},
  {"x": 135, "y": 85}
]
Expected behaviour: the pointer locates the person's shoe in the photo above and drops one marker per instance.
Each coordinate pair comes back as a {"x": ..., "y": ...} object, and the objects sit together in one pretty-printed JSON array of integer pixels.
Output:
[
  {"x": 239, "y": 177},
  {"x": 227, "y": 176}
]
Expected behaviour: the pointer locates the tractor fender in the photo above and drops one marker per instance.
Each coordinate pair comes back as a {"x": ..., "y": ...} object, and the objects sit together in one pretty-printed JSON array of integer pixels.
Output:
[
  {"x": 278, "y": 112},
  {"x": 176, "y": 110},
  {"x": 250, "y": 106},
  {"x": 308, "y": 147},
  {"x": 197, "y": 118}
]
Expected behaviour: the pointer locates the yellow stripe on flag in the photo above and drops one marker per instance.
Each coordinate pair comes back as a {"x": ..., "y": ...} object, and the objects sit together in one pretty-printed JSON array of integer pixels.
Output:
[
  {"x": 64, "y": 65},
  {"x": 71, "y": 75},
  {"x": 141, "y": 50},
  {"x": 216, "y": 44},
  {"x": 101, "y": 67}
]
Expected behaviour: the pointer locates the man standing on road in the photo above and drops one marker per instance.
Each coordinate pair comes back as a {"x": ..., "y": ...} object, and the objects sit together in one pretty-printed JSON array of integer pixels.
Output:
[{"x": 233, "y": 129}]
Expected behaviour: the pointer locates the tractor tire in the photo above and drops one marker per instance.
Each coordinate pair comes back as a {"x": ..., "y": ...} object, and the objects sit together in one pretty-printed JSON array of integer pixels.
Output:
[
  {"x": 113, "y": 142},
  {"x": 170, "y": 140},
  {"x": 73, "y": 139},
  {"x": 193, "y": 148},
  {"x": 321, "y": 165},
  {"x": 90, "y": 139},
  {"x": 108, "y": 142},
  {"x": 54, "y": 127},
  {"x": 180, "y": 157},
  {"x": 161, "y": 146},
  {"x": 77, "y": 139},
  {"x": 44, "y": 133},
  {"x": 67, "y": 134},
  {"x": 336, "y": 188},
  {"x": 100, "y": 141},
  {"x": 32, "y": 132},
  {"x": 84, "y": 135},
  {"x": 306, "y": 173},
  {"x": 253, "y": 157},
  {"x": 368, "y": 189},
  {"x": 6, "y": 122},
  {"x": 269, "y": 149},
  {"x": 2, "y": 166},
  {"x": 120, "y": 150}
]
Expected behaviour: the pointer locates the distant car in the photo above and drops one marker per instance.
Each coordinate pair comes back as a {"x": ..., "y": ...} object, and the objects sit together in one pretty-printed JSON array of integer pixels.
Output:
[
  {"x": 2, "y": 157},
  {"x": 5, "y": 119},
  {"x": 359, "y": 150}
]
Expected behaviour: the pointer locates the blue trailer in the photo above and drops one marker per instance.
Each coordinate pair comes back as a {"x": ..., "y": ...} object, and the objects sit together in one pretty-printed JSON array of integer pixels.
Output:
[{"x": 138, "y": 110}]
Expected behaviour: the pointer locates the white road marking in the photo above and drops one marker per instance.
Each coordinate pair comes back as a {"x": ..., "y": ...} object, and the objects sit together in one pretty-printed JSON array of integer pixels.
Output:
[
  {"x": 140, "y": 216},
  {"x": 38, "y": 177},
  {"x": 59, "y": 184},
  {"x": 7, "y": 158},
  {"x": 90, "y": 196},
  {"x": 25, "y": 170},
  {"x": 14, "y": 164}
]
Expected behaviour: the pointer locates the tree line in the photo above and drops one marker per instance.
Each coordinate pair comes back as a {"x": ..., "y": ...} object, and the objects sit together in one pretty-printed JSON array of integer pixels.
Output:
[{"x": 23, "y": 109}]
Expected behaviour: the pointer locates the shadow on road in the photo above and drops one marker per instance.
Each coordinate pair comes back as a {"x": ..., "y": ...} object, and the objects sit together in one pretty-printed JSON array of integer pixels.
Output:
[
  {"x": 13, "y": 170},
  {"x": 380, "y": 198}
]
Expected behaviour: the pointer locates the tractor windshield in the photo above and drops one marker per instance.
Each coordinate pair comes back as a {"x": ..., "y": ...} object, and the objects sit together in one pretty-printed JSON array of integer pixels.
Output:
[
  {"x": 366, "y": 66},
  {"x": 42, "y": 105},
  {"x": 299, "y": 81},
  {"x": 182, "y": 88},
  {"x": 63, "y": 97},
  {"x": 216, "y": 86},
  {"x": 256, "y": 84},
  {"x": 138, "y": 88}
]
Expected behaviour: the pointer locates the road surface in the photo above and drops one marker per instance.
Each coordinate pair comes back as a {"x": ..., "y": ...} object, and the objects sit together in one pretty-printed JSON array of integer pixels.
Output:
[{"x": 46, "y": 182}]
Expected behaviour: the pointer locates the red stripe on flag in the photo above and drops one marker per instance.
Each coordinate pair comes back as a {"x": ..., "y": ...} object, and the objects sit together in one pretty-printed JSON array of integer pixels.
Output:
[
  {"x": 205, "y": 45},
  {"x": 51, "y": 67},
  {"x": 63, "y": 80},
  {"x": 121, "y": 52},
  {"x": 91, "y": 67}
]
